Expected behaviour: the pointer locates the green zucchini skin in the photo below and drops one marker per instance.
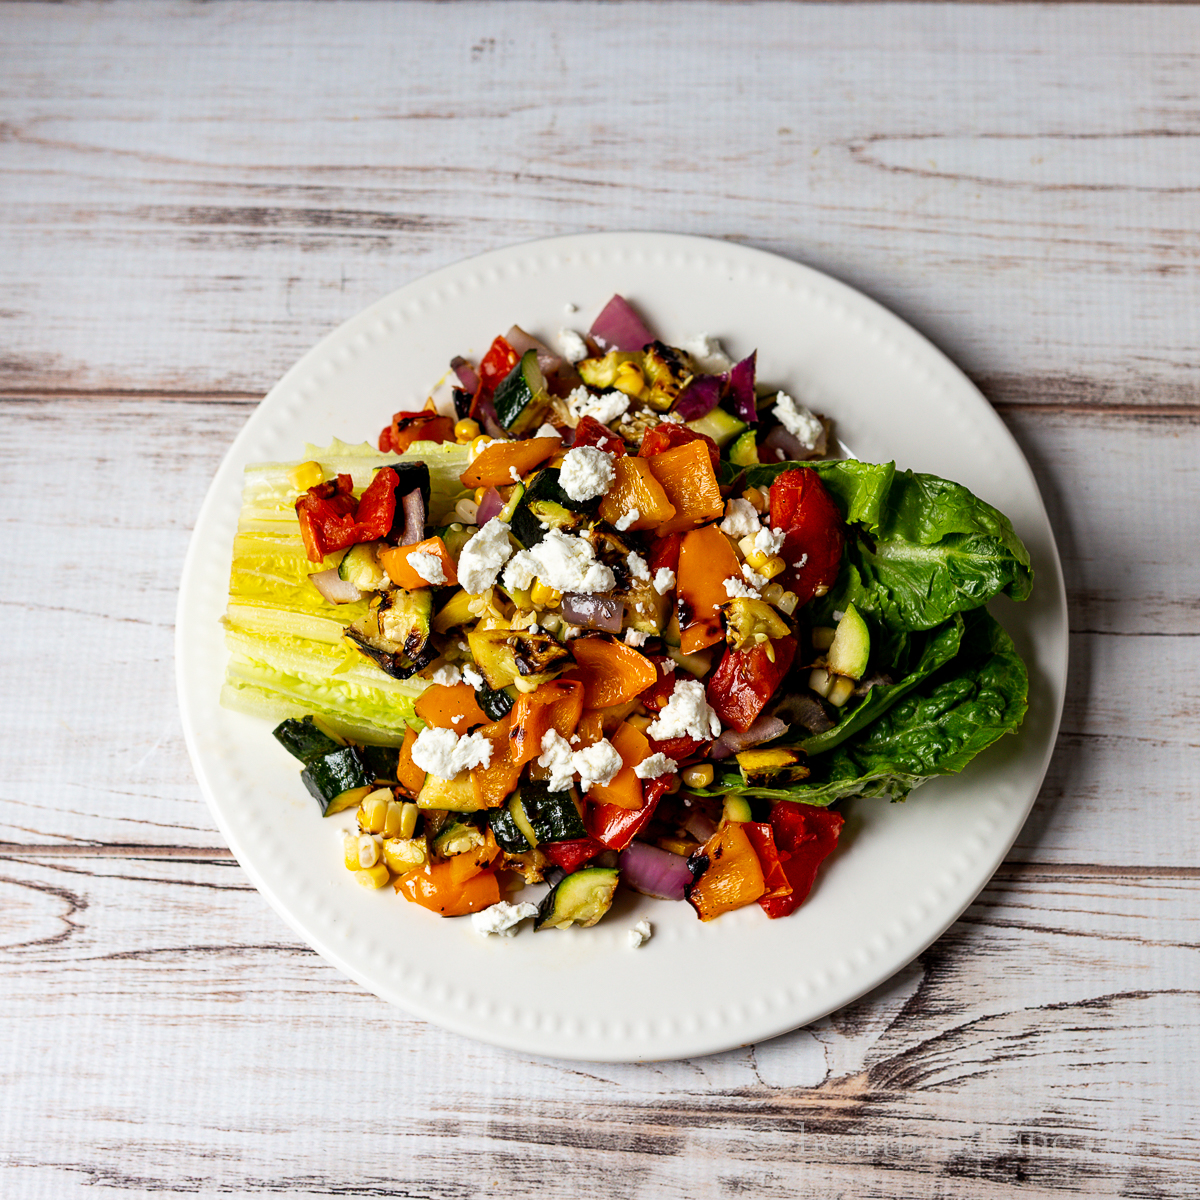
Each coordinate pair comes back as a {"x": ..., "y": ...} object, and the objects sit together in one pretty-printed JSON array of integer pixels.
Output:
[
  {"x": 506, "y": 831},
  {"x": 329, "y": 776},
  {"x": 413, "y": 475},
  {"x": 580, "y": 898},
  {"x": 382, "y": 761},
  {"x": 408, "y": 618},
  {"x": 521, "y": 400},
  {"x": 543, "y": 503},
  {"x": 553, "y": 816},
  {"x": 305, "y": 739},
  {"x": 496, "y": 702}
]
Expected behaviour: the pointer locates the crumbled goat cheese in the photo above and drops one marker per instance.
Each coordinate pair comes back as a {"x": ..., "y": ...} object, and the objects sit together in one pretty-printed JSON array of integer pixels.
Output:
[
  {"x": 447, "y": 675},
  {"x": 570, "y": 308},
  {"x": 514, "y": 474},
  {"x": 626, "y": 519},
  {"x": 741, "y": 518},
  {"x": 561, "y": 561},
  {"x": 597, "y": 765},
  {"x": 637, "y": 566},
  {"x": 502, "y": 918},
  {"x": 735, "y": 588},
  {"x": 574, "y": 348},
  {"x": 604, "y": 408},
  {"x": 472, "y": 676},
  {"x": 556, "y": 758},
  {"x": 546, "y": 430},
  {"x": 443, "y": 753},
  {"x": 639, "y": 935},
  {"x": 798, "y": 420},
  {"x": 587, "y": 472},
  {"x": 708, "y": 354},
  {"x": 838, "y": 614},
  {"x": 664, "y": 580},
  {"x": 686, "y": 714},
  {"x": 670, "y": 418},
  {"x": 668, "y": 667},
  {"x": 428, "y": 566},
  {"x": 752, "y": 577},
  {"x": 479, "y": 445},
  {"x": 635, "y": 637},
  {"x": 654, "y": 766},
  {"x": 483, "y": 556},
  {"x": 768, "y": 541}
]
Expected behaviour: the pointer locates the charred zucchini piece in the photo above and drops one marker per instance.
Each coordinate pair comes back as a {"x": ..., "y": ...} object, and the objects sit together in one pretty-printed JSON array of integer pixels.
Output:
[
  {"x": 496, "y": 702},
  {"x": 747, "y": 622},
  {"x": 457, "y": 837},
  {"x": 454, "y": 612},
  {"x": 395, "y": 632},
  {"x": 721, "y": 426},
  {"x": 668, "y": 371},
  {"x": 581, "y": 899},
  {"x": 505, "y": 655},
  {"x": 550, "y": 816},
  {"x": 744, "y": 451},
  {"x": 337, "y": 780},
  {"x": 306, "y": 738},
  {"x": 511, "y": 504},
  {"x": 454, "y": 537},
  {"x": 543, "y": 504},
  {"x": 522, "y": 401},
  {"x": 449, "y": 795},
  {"x": 736, "y": 808},
  {"x": 781, "y": 763},
  {"x": 602, "y": 372},
  {"x": 360, "y": 567},
  {"x": 413, "y": 475},
  {"x": 382, "y": 761},
  {"x": 507, "y": 832}
]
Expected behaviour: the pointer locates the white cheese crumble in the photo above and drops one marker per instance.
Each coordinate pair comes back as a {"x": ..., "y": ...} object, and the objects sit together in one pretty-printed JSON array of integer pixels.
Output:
[
  {"x": 752, "y": 577},
  {"x": 546, "y": 430},
  {"x": 586, "y": 472},
  {"x": 502, "y": 918},
  {"x": 479, "y": 445},
  {"x": 798, "y": 420},
  {"x": 443, "y": 753},
  {"x": 735, "y": 588},
  {"x": 556, "y": 758},
  {"x": 563, "y": 562},
  {"x": 708, "y": 353},
  {"x": 640, "y": 934},
  {"x": 741, "y": 518},
  {"x": 514, "y": 474},
  {"x": 472, "y": 676},
  {"x": 664, "y": 580},
  {"x": 597, "y": 764},
  {"x": 428, "y": 566},
  {"x": 637, "y": 566},
  {"x": 671, "y": 418},
  {"x": 604, "y": 408},
  {"x": 570, "y": 308},
  {"x": 447, "y": 675},
  {"x": 574, "y": 348},
  {"x": 654, "y": 766},
  {"x": 483, "y": 556},
  {"x": 624, "y": 521},
  {"x": 686, "y": 714},
  {"x": 635, "y": 637},
  {"x": 769, "y": 541}
]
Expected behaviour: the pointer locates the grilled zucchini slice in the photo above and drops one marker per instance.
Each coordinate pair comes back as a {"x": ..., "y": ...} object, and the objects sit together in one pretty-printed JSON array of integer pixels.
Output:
[
  {"x": 394, "y": 634},
  {"x": 581, "y": 898},
  {"x": 522, "y": 400}
]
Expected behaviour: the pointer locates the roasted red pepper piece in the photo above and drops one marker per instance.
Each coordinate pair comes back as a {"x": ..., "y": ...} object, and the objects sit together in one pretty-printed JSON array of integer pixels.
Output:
[
  {"x": 665, "y": 553},
  {"x": 616, "y": 827},
  {"x": 589, "y": 432},
  {"x": 812, "y": 546},
  {"x": 497, "y": 363},
  {"x": 409, "y": 427},
  {"x": 573, "y": 854},
  {"x": 376, "y": 507},
  {"x": 762, "y": 838},
  {"x": 655, "y": 697},
  {"x": 669, "y": 435},
  {"x": 804, "y": 837},
  {"x": 678, "y": 748},
  {"x": 331, "y": 519},
  {"x": 746, "y": 679}
]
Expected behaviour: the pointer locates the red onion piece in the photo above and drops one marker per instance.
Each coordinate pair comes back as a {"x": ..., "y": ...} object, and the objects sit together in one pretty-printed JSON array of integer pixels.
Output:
[
  {"x": 741, "y": 388},
  {"x": 781, "y": 446},
  {"x": 700, "y": 826},
  {"x": 618, "y": 327},
  {"x": 466, "y": 374},
  {"x": 594, "y": 612},
  {"x": 414, "y": 517},
  {"x": 333, "y": 589},
  {"x": 655, "y": 872},
  {"x": 486, "y": 415},
  {"x": 489, "y": 507},
  {"x": 521, "y": 341},
  {"x": 699, "y": 397},
  {"x": 731, "y": 742}
]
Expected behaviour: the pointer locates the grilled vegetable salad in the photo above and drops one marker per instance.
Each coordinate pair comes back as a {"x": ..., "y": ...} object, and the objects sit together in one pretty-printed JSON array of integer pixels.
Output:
[{"x": 617, "y": 620}]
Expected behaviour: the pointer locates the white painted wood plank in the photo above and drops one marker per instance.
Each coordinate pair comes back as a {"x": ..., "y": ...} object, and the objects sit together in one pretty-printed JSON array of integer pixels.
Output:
[
  {"x": 1046, "y": 1039},
  {"x": 192, "y": 198}
]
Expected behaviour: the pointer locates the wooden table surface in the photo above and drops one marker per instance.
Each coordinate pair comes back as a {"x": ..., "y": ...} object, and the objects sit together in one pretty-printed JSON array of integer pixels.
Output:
[{"x": 192, "y": 195}]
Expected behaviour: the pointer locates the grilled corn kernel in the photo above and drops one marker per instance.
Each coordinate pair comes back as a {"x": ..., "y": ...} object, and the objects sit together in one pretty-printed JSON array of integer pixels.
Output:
[
  {"x": 466, "y": 510},
  {"x": 466, "y": 430},
  {"x": 841, "y": 691},
  {"x": 758, "y": 498},
  {"x": 479, "y": 444},
  {"x": 775, "y": 565},
  {"x": 480, "y": 492},
  {"x": 350, "y": 851},
  {"x": 677, "y": 845},
  {"x": 368, "y": 851},
  {"x": 405, "y": 854},
  {"x": 746, "y": 546},
  {"x": 820, "y": 681},
  {"x": 629, "y": 379},
  {"x": 640, "y": 721},
  {"x": 373, "y": 877},
  {"x": 394, "y": 819},
  {"x": 787, "y": 603},
  {"x": 306, "y": 475},
  {"x": 408, "y": 819},
  {"x": 773, "y": 593},
  {"x": 822, "y": 636},
  {"x": 544, "y": 596},
  {"x": 699, "y": 776},
  {"x": 754, "y": 558},
  {"x": 372, "y": 812}
]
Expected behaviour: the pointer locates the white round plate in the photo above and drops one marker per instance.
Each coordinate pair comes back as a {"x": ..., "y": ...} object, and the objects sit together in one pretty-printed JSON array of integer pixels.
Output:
[{"x": 904, "y": 871}]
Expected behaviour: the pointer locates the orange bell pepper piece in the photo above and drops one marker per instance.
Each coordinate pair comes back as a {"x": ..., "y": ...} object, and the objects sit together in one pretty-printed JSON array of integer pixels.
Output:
[
  {"x": 611, "y": 672},
  {"x": 492, "y": 467},
  {"x": 439, "y": 888},
  {"x": 706, "y": 560},
  {"x": 687, "y": 476},
  {"x": 555, "y": 705},
  {"x": 590, "y": 730},
  {"x": 394, "y": 560},
  {"x": 450, "y": 707},
  {"x": 494, "y": 783},
  {"x": 625, "y": 791},
  {"x": 634, "y": 486},
  {"x": 734, "y": 877},
  {"x": 409, "y": 776}
]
